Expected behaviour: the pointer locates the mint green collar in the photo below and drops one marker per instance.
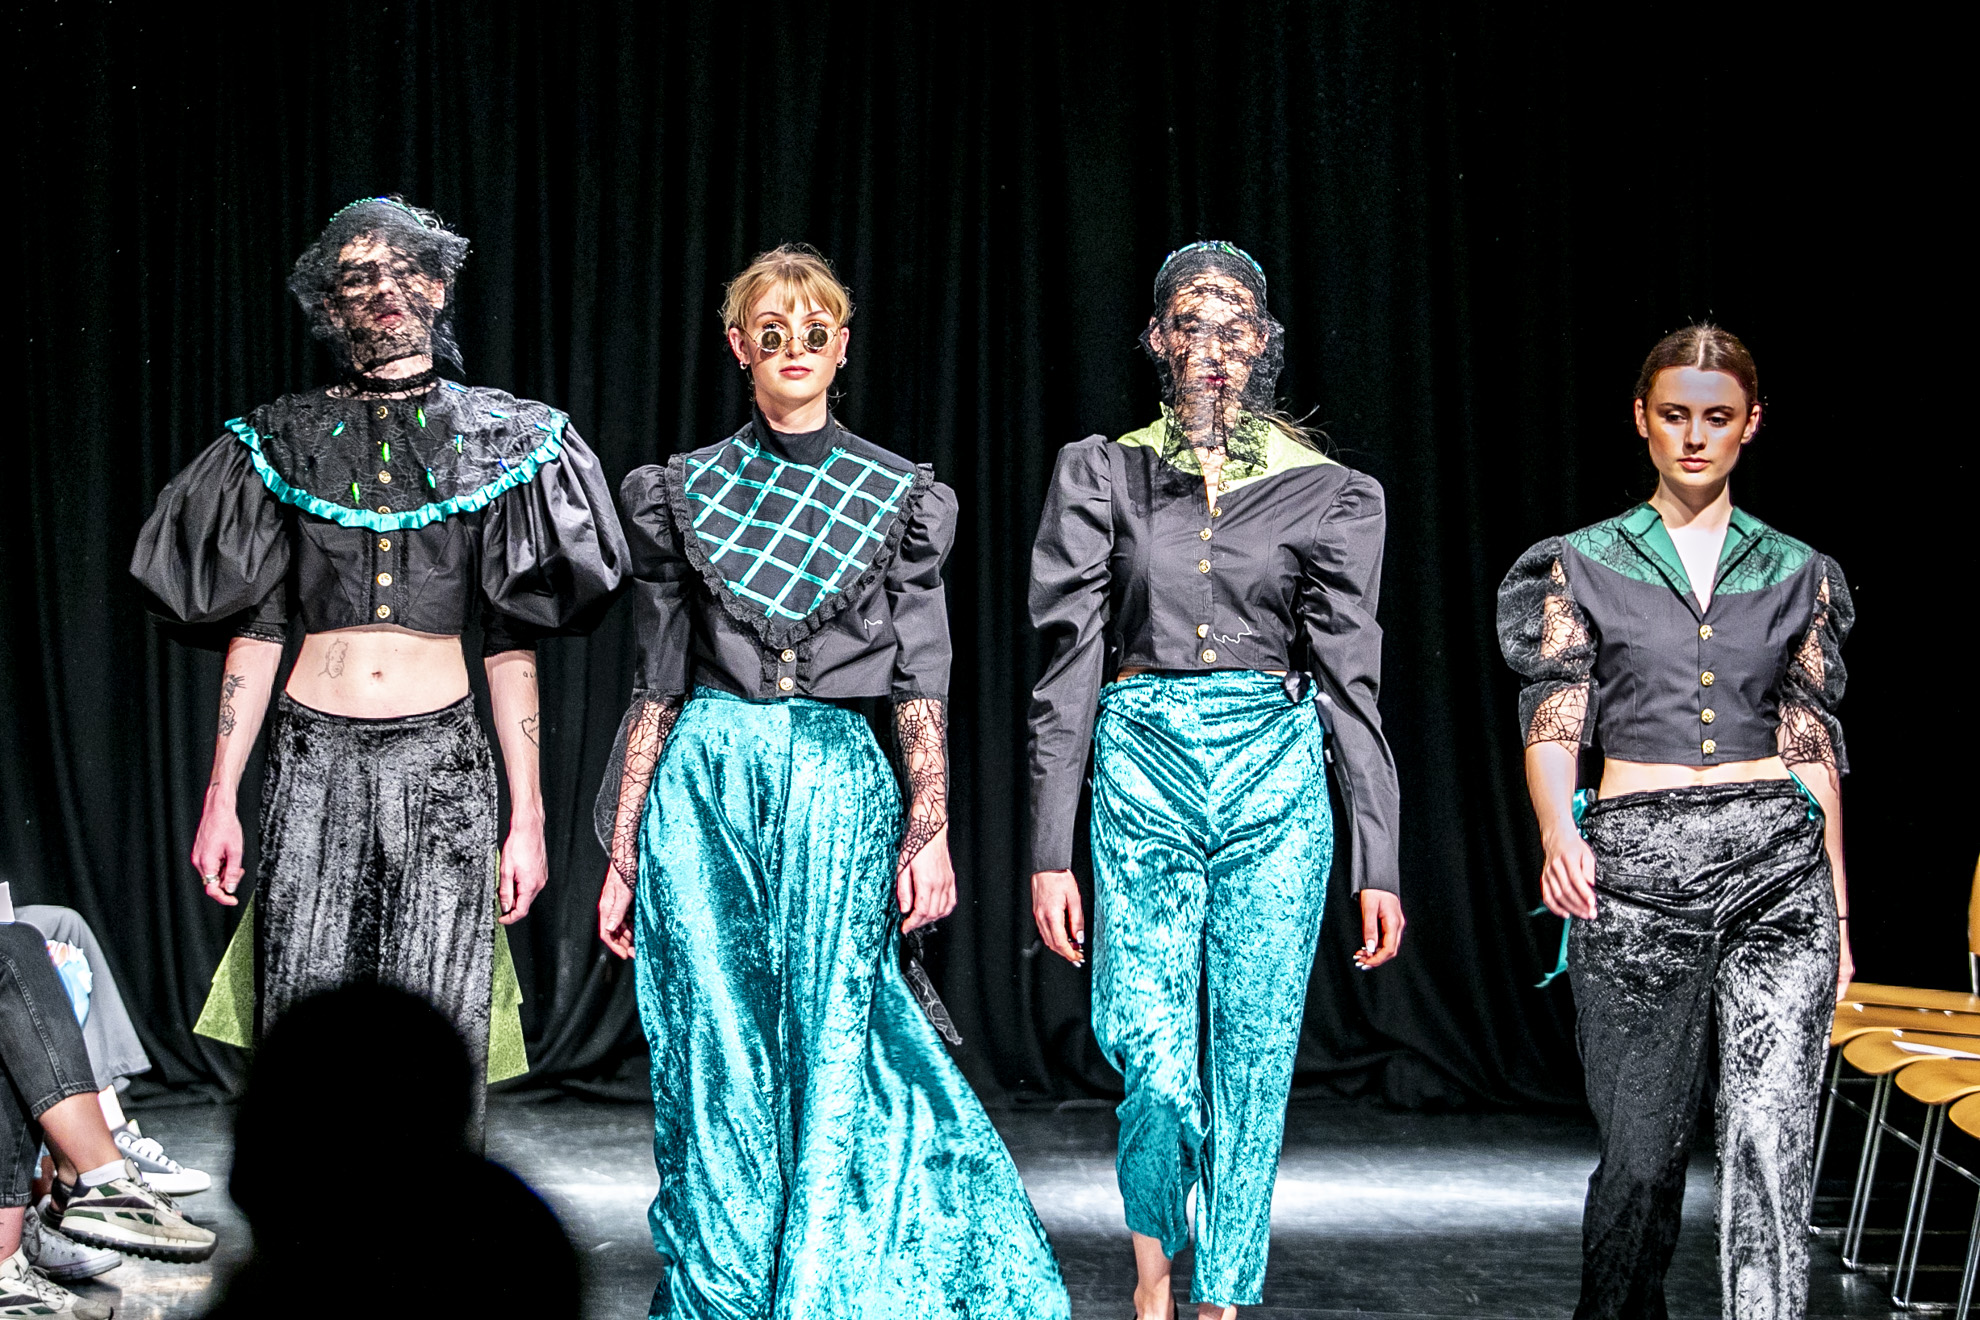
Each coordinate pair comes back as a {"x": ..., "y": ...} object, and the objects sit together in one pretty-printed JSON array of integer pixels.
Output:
[{"x": 1646, "y": 526}]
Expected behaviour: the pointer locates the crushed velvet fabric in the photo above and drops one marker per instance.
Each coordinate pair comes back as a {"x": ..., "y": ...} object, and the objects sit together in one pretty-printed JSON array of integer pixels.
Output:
[
  {"x": 378, "y": 857},
  {"x": 819, "y": 1153},
  {"x": 1714, "y": 915},
  {"x": 1212, "y": 840}
]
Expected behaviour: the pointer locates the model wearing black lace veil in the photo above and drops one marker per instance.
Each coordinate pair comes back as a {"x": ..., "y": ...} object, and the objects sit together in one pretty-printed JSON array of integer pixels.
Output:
[
  {"x": 384, "y": 515},
  {"x": 1698, "y": 650},
  {"x": 819, "y": 1153}
]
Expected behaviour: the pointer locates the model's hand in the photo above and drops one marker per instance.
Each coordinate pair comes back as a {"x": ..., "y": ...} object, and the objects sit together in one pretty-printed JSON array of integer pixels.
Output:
[
  {"x": 1381, "y": 928},
  {"x": 1055, "y": 906},
  {"x": 615, "y": 914},
  {"x": 1845, "y": 965},
  {"x": 1567, "y": 877},
  {"x": 926, "y": 886},
  {"x": 217, "y": 849},
  {"x": 525, "y": 870}
]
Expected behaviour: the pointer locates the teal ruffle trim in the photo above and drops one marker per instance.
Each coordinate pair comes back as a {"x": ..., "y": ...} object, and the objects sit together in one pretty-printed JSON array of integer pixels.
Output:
[{"x": 425, "y": 515}]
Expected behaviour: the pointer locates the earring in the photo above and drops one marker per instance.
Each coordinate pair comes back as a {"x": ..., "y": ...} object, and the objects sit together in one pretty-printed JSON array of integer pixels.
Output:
[
  {"x": 743, "y": 365},
  {"x": 842, "y": 362}
]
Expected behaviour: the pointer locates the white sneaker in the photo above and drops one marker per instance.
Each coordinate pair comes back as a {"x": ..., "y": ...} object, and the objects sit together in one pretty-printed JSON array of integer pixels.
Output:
[
  {"x": 60, "y": 1256},
  {"x": 26, "y": 1292},
  {"x": 159, "y": 1169}
]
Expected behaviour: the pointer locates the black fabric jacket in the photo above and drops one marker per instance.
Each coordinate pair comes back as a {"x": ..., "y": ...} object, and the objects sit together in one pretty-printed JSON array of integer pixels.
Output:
[
  {"x": 1132, "y": 570},
  {"x": 354, "y": 511},
  {"x": 1603, "y": 623},
  {"x": 716, "y": 533}
]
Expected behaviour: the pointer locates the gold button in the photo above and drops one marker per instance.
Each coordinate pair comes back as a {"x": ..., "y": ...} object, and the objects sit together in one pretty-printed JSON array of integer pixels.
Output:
[
  {"x": 1203, "y": 566},
  {"x": 384, "y": 543},
  {"x": 1705, "y": 631},
  {"x": 1708, "y": 746},
  {"x": 384, "y": 579},
  {"x": 1205, "y": 533},
  {"x": 384, "y": 508},
  {"x": 384, "y": 611},
  {"x": 383, "y": 412},
  {"x": 1217, "y": 512},
  {"x": 788, "y": 655},
  {"x": 1707, "y": 715},
  {"x": 1209, "y": 656},
  {"x": 1707, "y": 678},
  {"x": 1202, "y": 630},
  {"x": 786, "y": 683},
  {"x": 385, "y": 477}
]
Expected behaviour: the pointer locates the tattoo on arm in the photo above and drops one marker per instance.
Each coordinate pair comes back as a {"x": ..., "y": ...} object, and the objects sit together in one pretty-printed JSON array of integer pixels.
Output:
[
  {"x": 230, "y": 685},
  {"x": 333, "y": 659},
  {"x": 529, "y": 723}
]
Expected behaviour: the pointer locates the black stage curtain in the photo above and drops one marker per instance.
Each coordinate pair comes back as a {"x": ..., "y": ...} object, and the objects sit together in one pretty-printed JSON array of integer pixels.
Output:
[{"x": 1476, "y": 220}]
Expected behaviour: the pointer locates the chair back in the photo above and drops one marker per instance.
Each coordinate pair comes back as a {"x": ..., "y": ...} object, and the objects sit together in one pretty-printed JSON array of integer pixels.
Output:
[{"x": 1973, "y": 931}]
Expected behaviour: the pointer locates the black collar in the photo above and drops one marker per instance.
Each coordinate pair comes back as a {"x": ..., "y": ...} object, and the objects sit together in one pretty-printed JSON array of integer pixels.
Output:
[{"x": 808, "y": 448}]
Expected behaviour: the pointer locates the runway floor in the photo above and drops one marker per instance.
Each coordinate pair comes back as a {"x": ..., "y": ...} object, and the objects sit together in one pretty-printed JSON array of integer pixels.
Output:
[{"x": 1378, "y": 1213}]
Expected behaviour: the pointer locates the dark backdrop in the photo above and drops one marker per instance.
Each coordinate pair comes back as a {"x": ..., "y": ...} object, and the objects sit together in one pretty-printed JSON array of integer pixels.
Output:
[{"x": 1476, "y": 220}]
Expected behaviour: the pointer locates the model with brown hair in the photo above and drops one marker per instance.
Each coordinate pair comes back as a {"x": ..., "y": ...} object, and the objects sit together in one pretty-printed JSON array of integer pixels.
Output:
[{"x": 1699, "y": 650}]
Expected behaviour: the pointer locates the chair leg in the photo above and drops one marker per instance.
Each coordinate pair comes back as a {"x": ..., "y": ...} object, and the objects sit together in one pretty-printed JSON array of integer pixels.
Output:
[
  {"x": 1866, "y": 1169},
  {"x": 1909, "y": 1244},
  {"x": 1822, "y": 1140},
  {"x": 1972, "y": 1260}
]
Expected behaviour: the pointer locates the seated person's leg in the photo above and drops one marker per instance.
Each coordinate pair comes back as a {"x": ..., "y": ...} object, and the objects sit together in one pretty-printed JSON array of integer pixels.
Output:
[
  {"x": 47, "y": 1067},
  {"x": 115, "y": 1052}
]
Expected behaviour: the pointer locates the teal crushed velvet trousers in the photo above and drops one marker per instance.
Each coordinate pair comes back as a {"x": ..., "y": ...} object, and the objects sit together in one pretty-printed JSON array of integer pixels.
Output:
[
  {"x": 819, "y": 1153},
  {"x": 1212, "y": 839}
]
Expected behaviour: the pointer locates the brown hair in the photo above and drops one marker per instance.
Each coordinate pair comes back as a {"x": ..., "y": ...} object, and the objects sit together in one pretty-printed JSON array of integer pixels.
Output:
[
  {"x": 797, "y": 269},
  {"x": 1708, "y": 348}
]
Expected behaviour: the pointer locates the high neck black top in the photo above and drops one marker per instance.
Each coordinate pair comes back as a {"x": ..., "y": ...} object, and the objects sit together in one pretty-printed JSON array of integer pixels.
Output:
[
  {"x": 1617, "y": 653},
  {"x": 1132, "y": 569}
]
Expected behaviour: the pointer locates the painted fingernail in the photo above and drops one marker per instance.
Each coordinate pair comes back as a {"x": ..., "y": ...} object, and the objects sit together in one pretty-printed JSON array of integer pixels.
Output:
[{"x": 1369, "y": 947}]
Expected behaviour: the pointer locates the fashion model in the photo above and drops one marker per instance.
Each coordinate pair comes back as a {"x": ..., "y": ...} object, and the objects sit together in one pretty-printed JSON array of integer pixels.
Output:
[
  {"x": 819, "y": 1153},
  {"x": 1699, "y": 650},
  {"x": 1206, "y": 587},
  {"x": 386, "y": 512}
]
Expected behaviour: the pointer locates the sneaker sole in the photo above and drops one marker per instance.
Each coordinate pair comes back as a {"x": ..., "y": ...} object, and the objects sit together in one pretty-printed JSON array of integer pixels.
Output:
[
  {"x": 87, "y": 1269},
  {"x": 98, "y": 1235}
]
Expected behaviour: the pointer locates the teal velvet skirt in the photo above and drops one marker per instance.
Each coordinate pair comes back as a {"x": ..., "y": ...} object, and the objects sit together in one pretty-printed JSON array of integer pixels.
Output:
[{"x": 819, "y": 1153}]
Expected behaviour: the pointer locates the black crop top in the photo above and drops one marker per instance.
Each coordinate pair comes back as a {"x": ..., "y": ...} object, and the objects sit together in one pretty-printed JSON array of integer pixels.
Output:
[
  {"x": 354, "y": 511},
  {"x": 1603, "y": 622},
  {"x": 1132, "y": 570}
]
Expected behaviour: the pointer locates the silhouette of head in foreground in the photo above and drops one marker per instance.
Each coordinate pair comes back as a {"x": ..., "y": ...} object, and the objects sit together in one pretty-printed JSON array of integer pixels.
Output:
[{"x": 424, "y": 1226}]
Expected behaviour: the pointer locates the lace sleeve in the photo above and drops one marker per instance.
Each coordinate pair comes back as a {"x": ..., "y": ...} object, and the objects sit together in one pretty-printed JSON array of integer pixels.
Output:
[
  {"x": 629, "y": 777},
  {"x": 1812, "y": 680},
  {"x": 922, "y": 728},
  {"x": 1545, "y": 635}
]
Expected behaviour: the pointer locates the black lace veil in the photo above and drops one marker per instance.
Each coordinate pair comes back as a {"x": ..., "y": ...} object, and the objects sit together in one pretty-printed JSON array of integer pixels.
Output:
[{"x": 415, "y": 239}]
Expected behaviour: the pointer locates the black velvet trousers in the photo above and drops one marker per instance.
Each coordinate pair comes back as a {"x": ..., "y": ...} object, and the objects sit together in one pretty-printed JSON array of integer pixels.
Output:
[
  {"x": 378, "y": 863},
  {"x": 1714, "y": 915}
]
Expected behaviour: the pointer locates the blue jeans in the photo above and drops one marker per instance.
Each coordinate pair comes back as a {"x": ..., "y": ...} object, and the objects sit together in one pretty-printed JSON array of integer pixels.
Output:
[{"x": 41, "y": 1053}]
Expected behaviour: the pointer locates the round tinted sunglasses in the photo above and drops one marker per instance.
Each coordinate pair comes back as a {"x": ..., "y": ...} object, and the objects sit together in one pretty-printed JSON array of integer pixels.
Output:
[{"x": 814, "y": 338}]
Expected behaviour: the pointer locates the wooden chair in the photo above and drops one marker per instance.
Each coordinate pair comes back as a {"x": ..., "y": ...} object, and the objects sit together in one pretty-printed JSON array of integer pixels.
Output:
[
  {"x": 1936, "y": 1084},
  {"x": 1883, "y": 1055},
  {"x": 1965, "y": 1115},
  {"x": 1855, "y": 1020}
]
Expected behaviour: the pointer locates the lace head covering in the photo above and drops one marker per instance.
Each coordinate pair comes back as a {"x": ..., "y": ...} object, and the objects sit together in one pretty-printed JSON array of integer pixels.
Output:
[
  {"x": 1216, "y": 347},
  {"x": 406, "y": 240}
]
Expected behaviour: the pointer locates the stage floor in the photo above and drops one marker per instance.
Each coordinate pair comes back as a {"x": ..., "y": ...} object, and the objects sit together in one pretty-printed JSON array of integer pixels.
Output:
[{"x": 1378, "y": 1213}]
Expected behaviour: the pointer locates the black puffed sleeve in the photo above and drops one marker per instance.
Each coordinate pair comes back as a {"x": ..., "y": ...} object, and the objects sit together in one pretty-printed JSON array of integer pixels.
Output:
[
  {"x": 1340, "y": 587},
  {"x": 1812, "y": 681},
  {"x": 216, "y": 548},
  {"x": 1071, "y": 563},
  {"x": 1545, "y": 636},
  {"x": 918, "y": 602},
  {"x": 552, "y": 552}
]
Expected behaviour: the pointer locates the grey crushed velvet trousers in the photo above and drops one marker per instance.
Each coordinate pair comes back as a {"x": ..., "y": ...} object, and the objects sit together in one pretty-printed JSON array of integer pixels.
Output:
[{"x": 1714, "y": 914}]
